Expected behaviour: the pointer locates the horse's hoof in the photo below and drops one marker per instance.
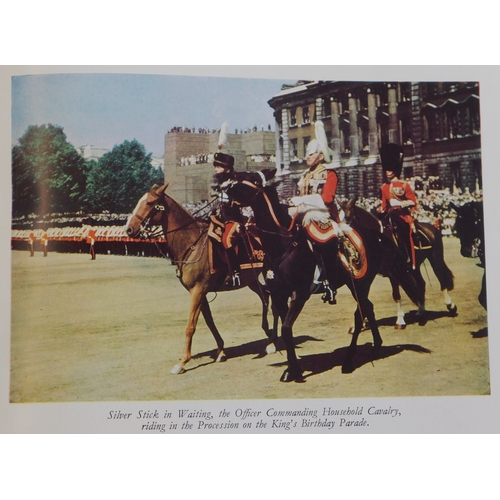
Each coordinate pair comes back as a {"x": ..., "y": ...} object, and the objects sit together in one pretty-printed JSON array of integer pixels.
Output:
[
  {"x": 422, "y": 319},
  {"x": 452, "y": 309},
  {"x": 347, "y": 367},
  {"x": 271, "y": 349},
  {"x": 221, "y": 357},
  {"x": 399, "y": 327},
  {"x": 177, "y": 370},
  {"x": 292, "y": 376}
]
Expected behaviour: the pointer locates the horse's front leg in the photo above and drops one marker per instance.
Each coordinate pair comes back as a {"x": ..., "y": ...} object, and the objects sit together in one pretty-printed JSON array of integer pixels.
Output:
[
  {"x": 209, "y": 320},
  {"x": 197, "y": 297},
  {"x": 293, "y": 371},
  {"x": 264, "y": 298},
  {"x": 348, "y": 366},
  {"x": 396, "y": 295}
]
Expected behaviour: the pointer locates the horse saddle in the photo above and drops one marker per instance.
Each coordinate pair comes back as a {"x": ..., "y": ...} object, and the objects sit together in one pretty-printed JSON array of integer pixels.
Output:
[
  {"x": 351, "y": 248},
  {"x": 247, "y": 246},
  {"x": 352, "y": 251},
  {"x": 420, "y": 239}
]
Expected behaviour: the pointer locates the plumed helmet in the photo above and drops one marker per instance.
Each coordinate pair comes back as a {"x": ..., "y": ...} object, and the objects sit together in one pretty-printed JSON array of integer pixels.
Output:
[
  {"x": 312, "y": 147},
  {"x": 224, "y": 160},
  {"x": 391, "y": 156},
  {"x": 320, "y": 144}
]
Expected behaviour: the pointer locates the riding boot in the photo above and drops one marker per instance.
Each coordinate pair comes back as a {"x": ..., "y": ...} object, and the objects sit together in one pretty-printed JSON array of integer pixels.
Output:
[
  {"x": 233, "y": 276},
  {"x": 326, "y": 255},
  {"x": 330, "y": 295}
]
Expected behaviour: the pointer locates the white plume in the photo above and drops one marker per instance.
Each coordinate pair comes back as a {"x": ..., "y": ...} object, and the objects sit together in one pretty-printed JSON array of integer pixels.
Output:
[
  {"x": 223, "y": 136},
  {"x": 323, "y": 141}
]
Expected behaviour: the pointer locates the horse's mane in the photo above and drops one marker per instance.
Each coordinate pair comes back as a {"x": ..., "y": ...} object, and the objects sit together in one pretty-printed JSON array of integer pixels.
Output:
[
  {"x": 185, "y": 216},
  {"x": 280, "y": 208}
]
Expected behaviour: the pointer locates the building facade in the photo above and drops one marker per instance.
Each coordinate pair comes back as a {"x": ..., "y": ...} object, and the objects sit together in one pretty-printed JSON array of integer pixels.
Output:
[
  {"x": 437, "y": 123},
  {"x": 189, "y": 159}
]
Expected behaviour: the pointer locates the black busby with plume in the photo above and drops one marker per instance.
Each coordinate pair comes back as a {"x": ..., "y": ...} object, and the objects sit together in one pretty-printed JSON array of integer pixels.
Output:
[
  {"x": 221, "y": 159},
  {"x": 391, "y": 156}
]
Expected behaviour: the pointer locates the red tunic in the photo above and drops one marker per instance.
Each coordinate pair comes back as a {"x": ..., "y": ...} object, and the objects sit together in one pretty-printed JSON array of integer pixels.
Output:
[
  {"x": 330, "y": 187},
  {"x": 402, "y": 192},
  {"x": 321, "y": 180},
  {"x": 403, "y": 203}
]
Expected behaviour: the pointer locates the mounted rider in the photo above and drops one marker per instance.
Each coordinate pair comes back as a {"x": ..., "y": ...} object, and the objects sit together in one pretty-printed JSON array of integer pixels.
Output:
[
  {"x": 317, "y": 190},
  {"x": 227, "y": 211},
  {"x": 398, "y": 199}
]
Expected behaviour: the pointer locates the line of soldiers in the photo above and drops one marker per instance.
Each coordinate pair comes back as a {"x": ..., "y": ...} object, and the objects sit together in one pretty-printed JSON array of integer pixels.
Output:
[{"x": 85, "y": 239}]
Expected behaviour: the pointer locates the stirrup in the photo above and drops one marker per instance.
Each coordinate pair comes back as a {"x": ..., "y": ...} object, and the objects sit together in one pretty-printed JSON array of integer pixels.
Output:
[
  {"x": 329, "y": 295},
  {"x": 233, "y": 279}
]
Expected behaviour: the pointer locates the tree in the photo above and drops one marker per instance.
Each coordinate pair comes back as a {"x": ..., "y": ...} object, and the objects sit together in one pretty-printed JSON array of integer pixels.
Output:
[
  {"x": 48, "y": 174},
  {"x": 120, "y": 178}
]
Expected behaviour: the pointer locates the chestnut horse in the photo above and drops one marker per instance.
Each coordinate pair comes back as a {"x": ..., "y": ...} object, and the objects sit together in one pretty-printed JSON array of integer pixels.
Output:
[{"x": 188, "y": 247}]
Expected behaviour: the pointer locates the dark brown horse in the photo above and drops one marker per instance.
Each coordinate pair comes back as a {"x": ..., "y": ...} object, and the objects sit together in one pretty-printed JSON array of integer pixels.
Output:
[
  {"x": 189, "y": 247},
  {"x": 428, "y": 246},
  {"x": 292, "y": 262},
  {"x": 469, "y": 227}
]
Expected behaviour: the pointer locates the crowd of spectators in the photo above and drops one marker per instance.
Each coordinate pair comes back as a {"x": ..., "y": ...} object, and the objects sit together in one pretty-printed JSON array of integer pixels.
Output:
[
  {"x": 67, "y": 233},
  {"x": 194, "y": 130},
  {"x": 433, "y": 202},
  {"x": 206, "y": 158}
]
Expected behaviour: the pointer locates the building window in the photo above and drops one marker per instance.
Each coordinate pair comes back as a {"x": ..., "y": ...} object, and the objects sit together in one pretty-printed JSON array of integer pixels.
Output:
[
  {"x": 293, "y": 117},
  {"x": 327, "y": 109},
  {"x": 305, "y": 142},
  {"x": 294, "y": 150},
  {"x": 305, "y": 115},
  {"x": 434, "y": 170}
]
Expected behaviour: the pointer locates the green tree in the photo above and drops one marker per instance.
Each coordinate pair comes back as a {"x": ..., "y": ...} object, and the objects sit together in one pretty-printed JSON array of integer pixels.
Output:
[
  {"x": 48, "y": 174},
  {"x": 120, "y": 178}
]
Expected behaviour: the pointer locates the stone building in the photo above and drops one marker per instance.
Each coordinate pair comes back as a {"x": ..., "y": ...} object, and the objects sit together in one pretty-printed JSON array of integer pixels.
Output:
[
  {"x": 189, "y": 156},
  {"x": 438, "y": 124}
]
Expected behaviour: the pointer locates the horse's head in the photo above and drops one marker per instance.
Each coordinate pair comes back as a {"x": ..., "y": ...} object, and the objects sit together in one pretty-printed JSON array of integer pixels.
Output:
[
  {"x": 249, "y": 185},
  {"x": 148, "y": 211},
  {"x": 469, "y": 228},
  {"x": 348, "y": 208}
]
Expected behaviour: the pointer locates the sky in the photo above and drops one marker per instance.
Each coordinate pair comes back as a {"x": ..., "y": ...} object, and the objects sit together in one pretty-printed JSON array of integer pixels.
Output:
[{"x": 103, "y": 110}]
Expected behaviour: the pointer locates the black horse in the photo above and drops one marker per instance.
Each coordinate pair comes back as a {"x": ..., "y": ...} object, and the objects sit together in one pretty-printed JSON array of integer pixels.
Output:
[
  {"x": 292, "y": 262},
  {"x": 469, "y": 227}
]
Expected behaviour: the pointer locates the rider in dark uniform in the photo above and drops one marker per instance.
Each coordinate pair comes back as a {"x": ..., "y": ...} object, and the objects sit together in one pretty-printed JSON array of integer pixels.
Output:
[{"x": 228, "y": 213}]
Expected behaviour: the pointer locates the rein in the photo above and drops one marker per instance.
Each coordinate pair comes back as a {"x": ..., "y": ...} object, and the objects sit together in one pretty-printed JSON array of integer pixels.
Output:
[
  {"x": 271, "y": 210},
  {"x": 157, "y": 207}
]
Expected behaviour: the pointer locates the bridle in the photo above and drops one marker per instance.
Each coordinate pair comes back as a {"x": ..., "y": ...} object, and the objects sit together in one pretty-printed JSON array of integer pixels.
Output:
[
  {"x": 262, "y": 191},
  {"x": 147, "y": 230}
]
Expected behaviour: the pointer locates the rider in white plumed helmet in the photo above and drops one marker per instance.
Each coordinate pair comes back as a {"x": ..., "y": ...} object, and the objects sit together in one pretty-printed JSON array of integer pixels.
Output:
[{"x": 317, "y": 189}]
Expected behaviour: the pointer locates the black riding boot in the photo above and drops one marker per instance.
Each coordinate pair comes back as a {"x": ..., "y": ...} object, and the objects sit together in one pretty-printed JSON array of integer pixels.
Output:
[
  {"x": 233, "y": 276},
  {"x": 326, "y": 255}
]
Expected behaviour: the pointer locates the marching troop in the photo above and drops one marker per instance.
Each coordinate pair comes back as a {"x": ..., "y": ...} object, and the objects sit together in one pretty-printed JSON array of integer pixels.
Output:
[{"x": 110, "y": 240}]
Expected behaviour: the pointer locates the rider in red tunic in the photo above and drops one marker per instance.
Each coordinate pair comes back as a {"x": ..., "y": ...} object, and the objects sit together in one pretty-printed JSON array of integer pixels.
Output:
[{"x": 398, "y": 198}]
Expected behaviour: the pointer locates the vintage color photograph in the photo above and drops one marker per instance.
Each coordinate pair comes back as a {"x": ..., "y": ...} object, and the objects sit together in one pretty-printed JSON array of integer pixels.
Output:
[{"x": 189, "y": 238}]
